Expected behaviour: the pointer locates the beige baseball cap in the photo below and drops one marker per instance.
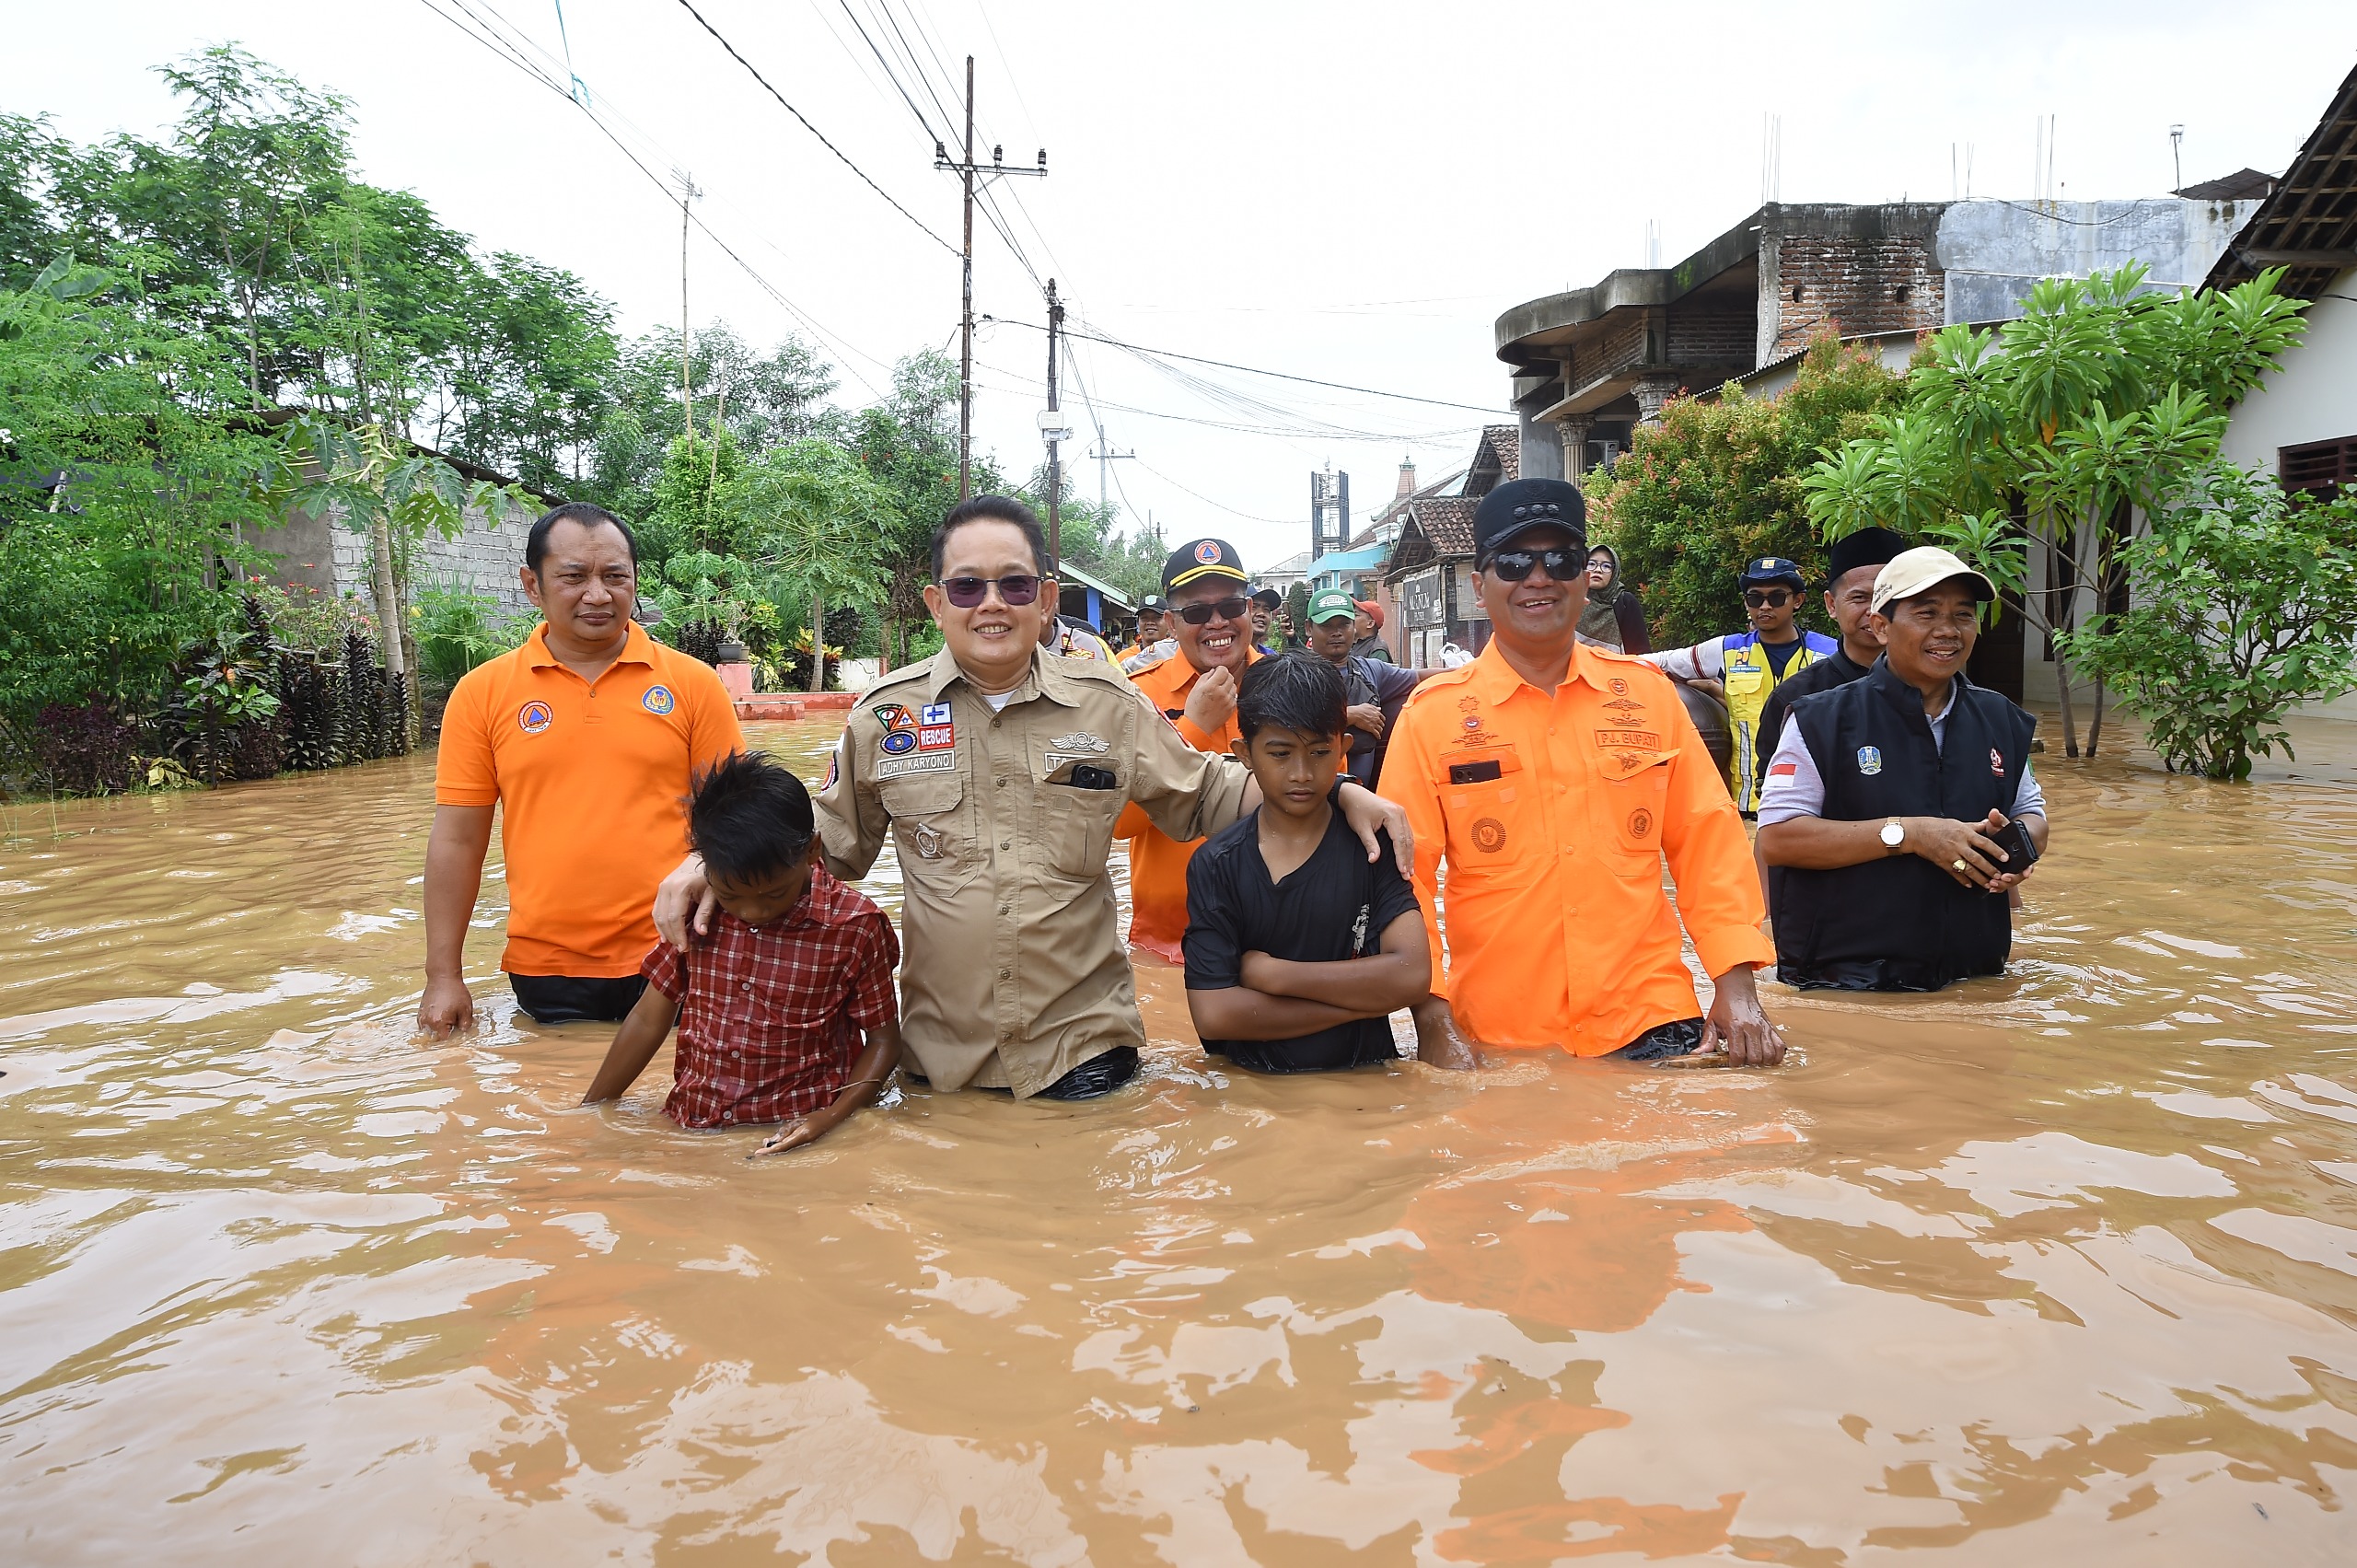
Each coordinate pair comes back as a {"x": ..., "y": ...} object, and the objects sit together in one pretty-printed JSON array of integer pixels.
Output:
[{"x": 1925, "y": 567}]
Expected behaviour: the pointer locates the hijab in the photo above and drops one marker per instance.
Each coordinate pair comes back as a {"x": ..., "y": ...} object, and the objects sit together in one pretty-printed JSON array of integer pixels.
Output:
[{"x": 1597, "y": 621}]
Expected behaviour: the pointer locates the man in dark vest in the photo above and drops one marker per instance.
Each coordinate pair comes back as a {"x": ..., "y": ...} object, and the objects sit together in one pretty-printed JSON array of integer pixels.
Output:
[
  {"x": 1884, "y": 797},
  {"x": 1857, "y": 560}
]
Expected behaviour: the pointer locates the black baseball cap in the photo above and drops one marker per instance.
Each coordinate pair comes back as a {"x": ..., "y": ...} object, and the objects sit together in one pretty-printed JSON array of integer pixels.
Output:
[
  {"x": 1773, "y": 569},
  {"x": 1155, "y": 605},
  {"x": 1521, "y": 505},
  {"x": 1867, "y": 547},
  {"x": 1201, "y": 558}
]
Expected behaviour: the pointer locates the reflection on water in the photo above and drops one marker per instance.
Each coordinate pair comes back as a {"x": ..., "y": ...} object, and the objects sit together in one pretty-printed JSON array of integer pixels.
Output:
[{"x": 2061, "y": 1266}]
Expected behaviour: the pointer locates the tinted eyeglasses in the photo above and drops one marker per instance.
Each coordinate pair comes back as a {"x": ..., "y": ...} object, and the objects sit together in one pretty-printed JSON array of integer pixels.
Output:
[
  {"x": 1234, "y": 608},
  {"x": 967, "y": 592},
  {"x": 1766, "y": 599},
  {"x": 1563, "y": 566}
]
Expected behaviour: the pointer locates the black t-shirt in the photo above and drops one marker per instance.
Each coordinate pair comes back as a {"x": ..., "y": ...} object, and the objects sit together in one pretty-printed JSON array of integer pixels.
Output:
[
  {"x": 1334, "y": 906},
  {"x": 1781, "y": 654}
]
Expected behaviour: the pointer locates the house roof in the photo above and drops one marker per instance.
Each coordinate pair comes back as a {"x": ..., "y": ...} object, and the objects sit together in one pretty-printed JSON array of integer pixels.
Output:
[
  {"x": 1398, "y": 506},
  {"x": 1497, "y": 460},
  {"x": 1069, "y": 570},
  {"x": 2243, "y": 185},
  {"x": 1447, "y": 522},
  {"x": 2308, "y": 225}
]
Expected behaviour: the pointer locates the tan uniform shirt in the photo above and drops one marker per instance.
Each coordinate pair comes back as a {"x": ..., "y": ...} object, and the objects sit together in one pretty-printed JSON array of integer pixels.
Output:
[{"x": 1015, "y": 970}]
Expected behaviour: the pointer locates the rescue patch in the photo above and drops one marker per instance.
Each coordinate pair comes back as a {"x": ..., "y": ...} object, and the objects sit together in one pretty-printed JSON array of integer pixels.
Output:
[
  {"x": 937, "y": 737},
  {"x": 534, "y": 717},
  {"x": 659, "y": 700},
  {"x": 1641, "y": 822},
  {"x": 1628, "y": 739},
  {"x": 933, "y": 713},
  {"x": 1488, "y": 835},
  {"x": 1870, "y": 759},
  {"x": 923, "y": 762}
]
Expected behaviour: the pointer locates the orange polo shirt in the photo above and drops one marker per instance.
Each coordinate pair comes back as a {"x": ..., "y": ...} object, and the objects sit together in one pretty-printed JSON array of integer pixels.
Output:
[
  {"x": 591, "y": 780},
  {"x": 1553, "y": 813},
  {"x": 1157, "y": 862}
]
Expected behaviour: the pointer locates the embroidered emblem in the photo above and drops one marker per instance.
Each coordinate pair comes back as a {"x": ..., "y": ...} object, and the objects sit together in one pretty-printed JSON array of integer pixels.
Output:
[
  {"x": 1467, "y": 704},
  {"x": 897, "y": 741},
  {"x": 928, "y": 839},
  {"x": 1869, "y": 759},
  {"x": 1207, "y": 552},
  {"x": 1996, "y": 763},
  {"x": 1628, "y": 739},
  {"x": 933, "y": 713},
  {"x": 937, "y": 737},
  {"x": 891, "y": 716},
  {"x": 1619, "y": 687},
  {"x": 1472, "y": 721},
  {"x": 534, "y": 717},
  {"x": 1641, "y": 822},
  {"x": 1078, "y": 740},
  {"x": 659, "y": 700},
  {"x": 834, "y": 759},
  {"x": 1488, "y": 835},
  {"x": 923, "y": 762},
  {"x": 1625, "y": 707}
]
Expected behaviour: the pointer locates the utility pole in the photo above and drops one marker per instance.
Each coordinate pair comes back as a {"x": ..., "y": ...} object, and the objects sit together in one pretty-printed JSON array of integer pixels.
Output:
[
  {"x": 1052, "y": 426},
  {"x": 971, "y": 174},
  {"x": 688, "y": 193},
  {"x": 1105, "y": 457}
]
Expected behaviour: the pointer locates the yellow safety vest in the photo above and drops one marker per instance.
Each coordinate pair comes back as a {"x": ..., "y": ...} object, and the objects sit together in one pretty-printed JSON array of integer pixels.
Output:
[{"x": 1749, "y": 679}]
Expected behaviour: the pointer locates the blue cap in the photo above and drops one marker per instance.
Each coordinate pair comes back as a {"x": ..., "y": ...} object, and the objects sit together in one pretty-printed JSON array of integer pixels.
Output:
[{"x": 1773, "y": 569}]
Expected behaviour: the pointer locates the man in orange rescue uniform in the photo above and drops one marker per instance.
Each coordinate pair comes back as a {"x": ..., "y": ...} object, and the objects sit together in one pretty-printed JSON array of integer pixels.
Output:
[
  {"x": 588, "y": 738},
  {"x": 1195, "y": 688},
  {"x": 1553, "y": 777}
]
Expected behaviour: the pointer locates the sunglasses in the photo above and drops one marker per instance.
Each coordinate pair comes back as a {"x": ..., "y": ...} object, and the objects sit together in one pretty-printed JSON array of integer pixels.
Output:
[
  {"x": 1766, "y": 599},
  {"x": 1219, "y": 609},
  {"x": 967, "y": 592},
  {"x": 1514, "y": 565}
]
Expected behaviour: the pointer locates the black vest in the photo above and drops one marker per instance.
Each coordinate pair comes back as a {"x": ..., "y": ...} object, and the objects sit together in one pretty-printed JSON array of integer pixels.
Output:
[{"x": 1900, "y": 922}]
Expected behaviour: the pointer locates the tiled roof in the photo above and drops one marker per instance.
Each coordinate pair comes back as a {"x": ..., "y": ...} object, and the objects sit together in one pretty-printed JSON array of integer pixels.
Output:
[
  {"x": 1505, "y": 440},
  {"x": 1447, "y": 521}
]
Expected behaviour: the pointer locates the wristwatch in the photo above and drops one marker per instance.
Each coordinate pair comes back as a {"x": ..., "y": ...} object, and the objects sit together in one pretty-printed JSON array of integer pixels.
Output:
[{"x": 1894, "y": 833}]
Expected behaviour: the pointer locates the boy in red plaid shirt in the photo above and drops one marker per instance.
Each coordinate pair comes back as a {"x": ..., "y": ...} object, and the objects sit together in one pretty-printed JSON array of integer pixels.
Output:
[{"x": 773, "y": 1005}]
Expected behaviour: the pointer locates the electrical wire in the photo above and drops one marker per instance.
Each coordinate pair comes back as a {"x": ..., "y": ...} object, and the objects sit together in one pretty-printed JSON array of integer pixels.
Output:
[
  {"x": 831, "y": 146},
  {"x": 924, "y": 125},
  {"x": 1153, "y": 354}
]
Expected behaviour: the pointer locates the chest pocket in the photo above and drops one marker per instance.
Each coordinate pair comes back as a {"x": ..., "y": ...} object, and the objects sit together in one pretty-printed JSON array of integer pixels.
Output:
[
  {"x": 1629, "y": 802},
  {"x": 1745, "y": 681},
  {"x": 931, "y": 829},
  {"x": 1076, "y": 824},
  {"x": 1488, "y": 799}
]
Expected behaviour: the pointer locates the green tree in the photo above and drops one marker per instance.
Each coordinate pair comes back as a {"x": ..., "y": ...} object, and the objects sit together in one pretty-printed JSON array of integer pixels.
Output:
[
  {"x": 815, "y": 521},
  {"x": 2241, "y": 605},
  {"x": 2101, "y": 404},
  {"x": 1716, "y": 484}
]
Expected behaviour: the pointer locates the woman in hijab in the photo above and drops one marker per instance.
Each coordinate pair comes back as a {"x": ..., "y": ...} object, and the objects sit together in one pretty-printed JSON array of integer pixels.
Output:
[{"x": 1613, "y": 618}]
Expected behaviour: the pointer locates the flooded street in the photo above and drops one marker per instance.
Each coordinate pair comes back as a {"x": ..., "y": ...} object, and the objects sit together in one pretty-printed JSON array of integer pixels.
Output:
[{"x": 2056, "y": 1268}]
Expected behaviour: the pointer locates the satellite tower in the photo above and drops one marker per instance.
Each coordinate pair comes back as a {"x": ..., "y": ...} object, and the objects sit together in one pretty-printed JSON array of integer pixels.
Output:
[{"x": 1330, "y": 511}]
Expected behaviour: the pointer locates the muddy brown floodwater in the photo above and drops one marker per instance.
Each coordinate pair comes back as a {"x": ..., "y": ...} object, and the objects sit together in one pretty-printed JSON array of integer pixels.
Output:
[{"x": 2058, "y": 1268}]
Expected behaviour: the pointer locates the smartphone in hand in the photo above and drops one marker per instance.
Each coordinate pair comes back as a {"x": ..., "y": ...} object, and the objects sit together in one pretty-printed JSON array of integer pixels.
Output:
[{"x": 2020, "y": 850}]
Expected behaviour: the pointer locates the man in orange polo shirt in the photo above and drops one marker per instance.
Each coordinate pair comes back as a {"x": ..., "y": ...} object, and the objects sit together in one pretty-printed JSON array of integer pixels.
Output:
[
  {"x": 1553, "y": 778},
  {"x": 1211, "y": 619},
  {"x": 588, "y": 738}
]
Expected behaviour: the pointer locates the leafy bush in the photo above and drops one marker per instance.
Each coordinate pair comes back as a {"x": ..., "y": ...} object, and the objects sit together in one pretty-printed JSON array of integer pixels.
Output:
[
  {"x": 87, "y": 748},
  {"x": 2241, "y": 606},
  {"x": 1716, "y": 484},
  {"x": 458, "y": 629}
]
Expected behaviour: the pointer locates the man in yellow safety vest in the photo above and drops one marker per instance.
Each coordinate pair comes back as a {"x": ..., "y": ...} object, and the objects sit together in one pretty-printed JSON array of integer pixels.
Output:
[{"x": 1749, "y": 665}]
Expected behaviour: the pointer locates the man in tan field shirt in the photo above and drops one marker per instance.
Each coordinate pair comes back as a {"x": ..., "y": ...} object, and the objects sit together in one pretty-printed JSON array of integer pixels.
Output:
[{"x": 997, "y": 769}]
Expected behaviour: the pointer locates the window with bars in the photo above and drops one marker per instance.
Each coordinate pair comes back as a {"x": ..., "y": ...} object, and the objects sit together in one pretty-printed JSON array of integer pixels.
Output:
[{"x": 2322, "y": 469}]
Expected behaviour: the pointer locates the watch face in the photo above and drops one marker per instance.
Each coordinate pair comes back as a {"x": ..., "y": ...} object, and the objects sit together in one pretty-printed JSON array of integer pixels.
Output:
[{"x": 1892, "y": 833}]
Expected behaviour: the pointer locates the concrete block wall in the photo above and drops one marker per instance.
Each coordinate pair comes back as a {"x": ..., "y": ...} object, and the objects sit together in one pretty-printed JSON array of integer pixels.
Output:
[{"x": 483, "y": 558}]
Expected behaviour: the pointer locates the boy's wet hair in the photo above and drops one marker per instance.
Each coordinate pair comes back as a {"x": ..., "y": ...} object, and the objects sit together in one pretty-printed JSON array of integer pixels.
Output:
[
  {"x": 749, "y": 818},
  {"x": 1296, "y": 691}
]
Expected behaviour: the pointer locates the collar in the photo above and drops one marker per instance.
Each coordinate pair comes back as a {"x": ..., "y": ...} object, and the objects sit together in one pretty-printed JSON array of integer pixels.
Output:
[
  {"x": 637, "y": 648},
  {"x": 1908, "y": 700},
  {"x": 1494, "y": 679},
  {"x": 1045, "y": 680}
]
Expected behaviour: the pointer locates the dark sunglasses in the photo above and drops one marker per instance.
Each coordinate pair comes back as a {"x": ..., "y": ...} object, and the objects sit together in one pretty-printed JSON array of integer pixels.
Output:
[
  {"x": 1514, "y": 565},
  {"x": 967, "y": 592},
  {"x": 1222, "y": 609},
  {"x": 1766, "y": 599}
]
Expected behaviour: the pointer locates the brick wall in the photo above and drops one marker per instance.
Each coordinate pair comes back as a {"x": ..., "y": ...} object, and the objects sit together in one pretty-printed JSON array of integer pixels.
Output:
[
  {"x": 1716, "y": 338},
  {"x": 483, "y": 557},
  {"x": 1855, "y": 285}
]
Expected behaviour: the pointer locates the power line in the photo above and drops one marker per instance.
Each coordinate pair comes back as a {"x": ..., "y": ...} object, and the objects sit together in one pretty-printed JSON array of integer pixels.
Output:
[
  {"x": 1278, "y": 375},
  {"x": 889, "y": 75},
  {"x": 831, "y": 146}
]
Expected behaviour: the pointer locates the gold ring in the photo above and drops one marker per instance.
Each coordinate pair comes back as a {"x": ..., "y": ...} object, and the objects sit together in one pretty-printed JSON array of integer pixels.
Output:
[{"x": 1959, "y": 865}]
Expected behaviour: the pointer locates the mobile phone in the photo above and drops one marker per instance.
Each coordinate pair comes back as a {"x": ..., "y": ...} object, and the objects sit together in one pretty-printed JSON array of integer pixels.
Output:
[{"x": 2020, "y": 850}]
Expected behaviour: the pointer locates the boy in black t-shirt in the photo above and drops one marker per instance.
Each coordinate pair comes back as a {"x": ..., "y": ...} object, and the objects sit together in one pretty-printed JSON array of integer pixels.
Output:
[{"x": 1298, "y": 947}]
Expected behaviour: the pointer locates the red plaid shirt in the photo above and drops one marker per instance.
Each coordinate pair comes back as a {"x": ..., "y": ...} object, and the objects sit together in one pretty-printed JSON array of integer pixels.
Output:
[{"x": 769, "y": 1021}]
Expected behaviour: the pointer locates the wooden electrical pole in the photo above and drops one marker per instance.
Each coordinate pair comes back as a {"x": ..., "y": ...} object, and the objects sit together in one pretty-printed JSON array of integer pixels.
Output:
[{"x": 971, "y": 176}]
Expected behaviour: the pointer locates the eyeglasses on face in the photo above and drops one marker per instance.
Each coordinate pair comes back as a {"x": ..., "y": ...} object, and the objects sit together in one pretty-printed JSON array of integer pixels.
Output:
[
  {"x": 1766, "y": 599},
  {"x": 967, "y": 592},
  {"x": 1514, "y": 565},
  {"x": 1219, "y": 609}
]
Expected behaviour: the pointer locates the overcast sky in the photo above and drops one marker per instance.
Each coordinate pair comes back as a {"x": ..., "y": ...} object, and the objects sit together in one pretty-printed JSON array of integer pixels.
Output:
[{"x": 1352, "y": 193}]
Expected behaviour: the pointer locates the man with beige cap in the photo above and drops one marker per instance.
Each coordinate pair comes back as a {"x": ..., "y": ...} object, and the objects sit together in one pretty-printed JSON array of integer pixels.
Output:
[{"x": 1902, "y": 805}]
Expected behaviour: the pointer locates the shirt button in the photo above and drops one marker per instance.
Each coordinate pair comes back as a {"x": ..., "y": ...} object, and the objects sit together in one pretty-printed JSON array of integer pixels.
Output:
[
  {"x": 993, "y": 724},
  {"x": 1002, "y": 974},
  {"x": 748, "y": 985},
  {"x": 1002, "y": 784},
  {"x": 1006, "y": 843}
]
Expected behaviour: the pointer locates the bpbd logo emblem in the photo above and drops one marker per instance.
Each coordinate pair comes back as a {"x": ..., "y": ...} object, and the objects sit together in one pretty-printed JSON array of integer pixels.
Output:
[
  {"x": 659, "y": 700},
  {"x": 1207, "y": 552},
  {"x": 534, "y": 717}
]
